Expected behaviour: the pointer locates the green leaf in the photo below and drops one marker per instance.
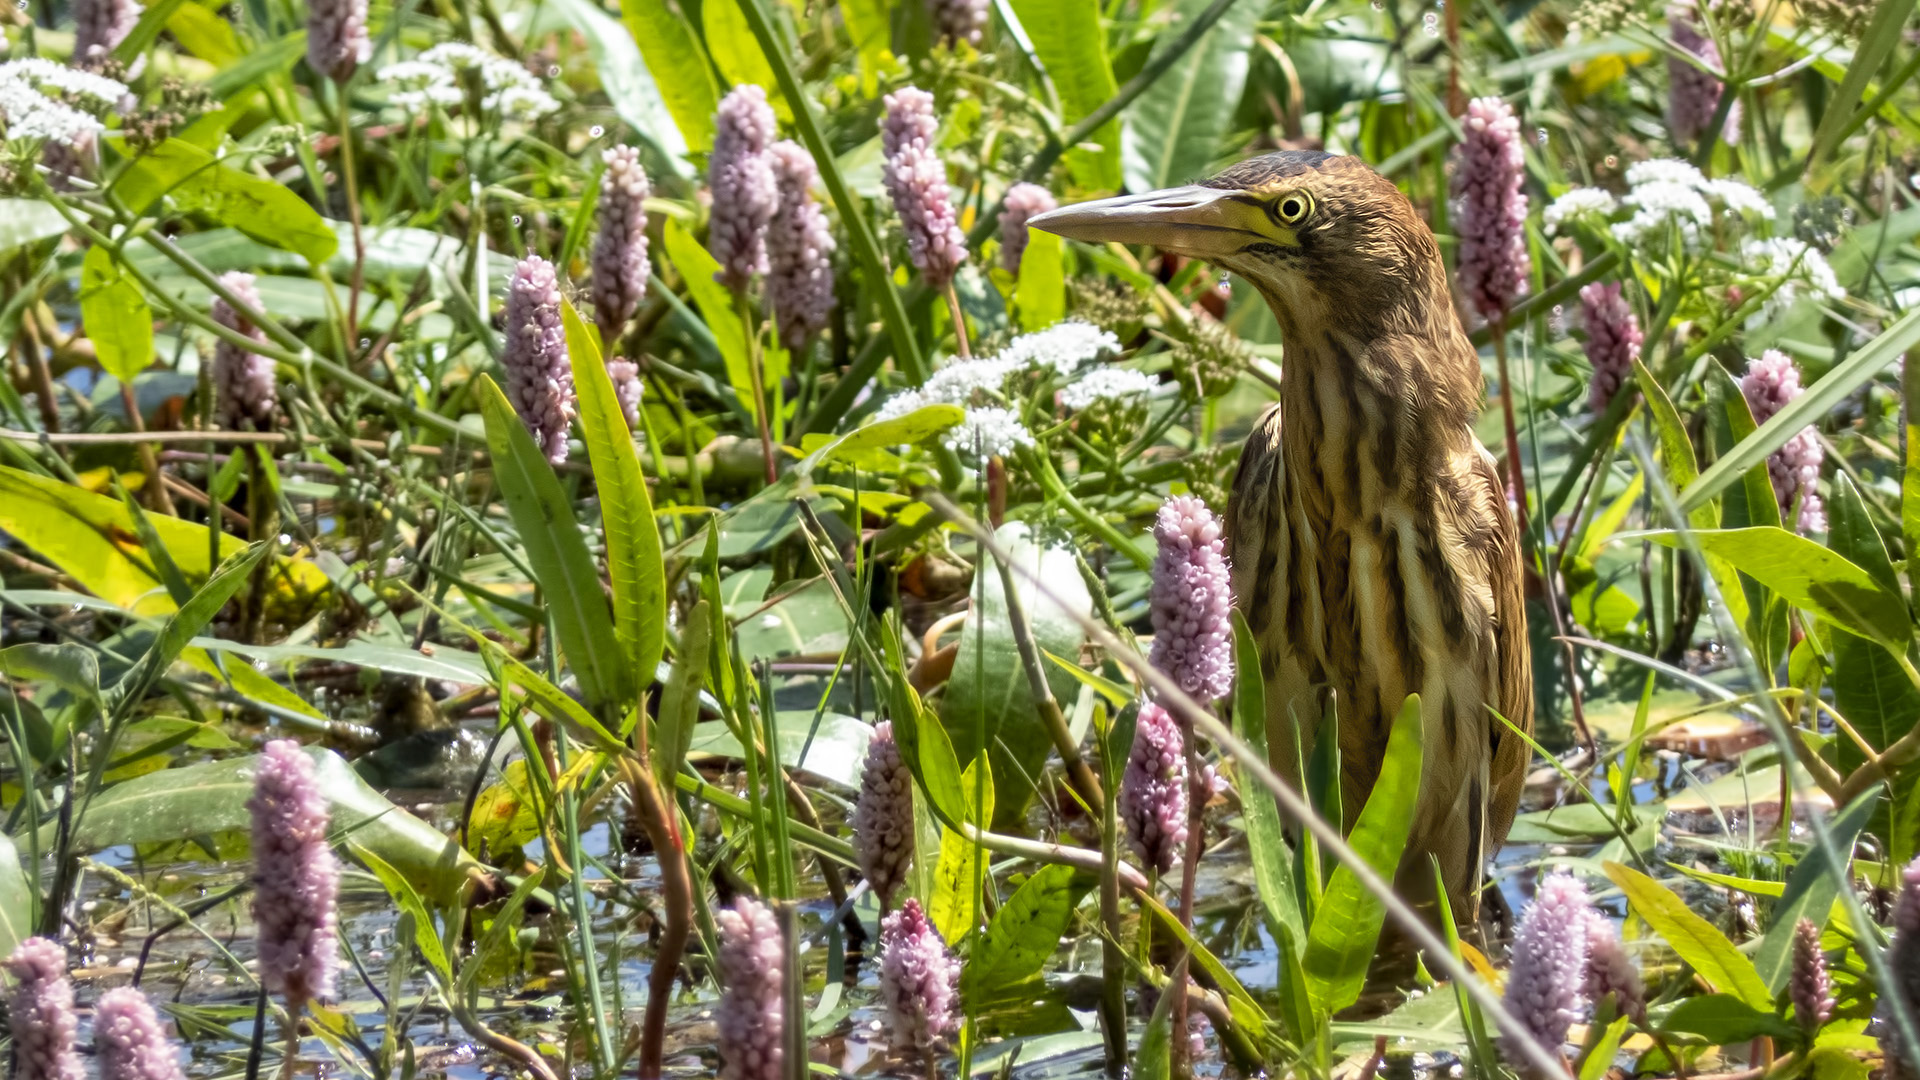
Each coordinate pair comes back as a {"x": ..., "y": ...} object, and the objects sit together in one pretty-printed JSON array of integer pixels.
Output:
[
  {"x": 1875, "y": 44},
  {"x": 1153, "y": 1059},
  {"x": 1176, "y": 130},
  {"x": 27, "y": 221},
  {"x": 833, "y": 749},
  {"x": 558, "y": 555},
  {"x": 1042, "y": 291},
  {"x": 116, "y": 316},
  {"x": 954, "y": 908},
  {"x": 627, "y": 79},
  {"x": 404, "y": 894},
  {"x": 697, "y": 267},
  {"x": 269, "y": 212},
  {"x": 1071, "y": 43},
  {"x": 1596, "y": 1062},
  {"x": 183, "y": 626},
  {"x": 680, "y": 700},
  {"x": 988, "y": 691},
  {"x": 204, "y": 34},
  {"x": 545, "y": 698},
  {"x": 1676, "y": 449},
  {"x": 1346, "y": 927},
  {"x": 1811, "y": 890},
  {"x": 1819, "y": 399},
  {"x": 1869, "y": 687},
  {"x": 917, "y": 426},
  {"x": 1910, "y": 475},
  {"x": 146, "y": 31},
  {"x": 678, "y": 66},
  {"x": 1724, "y": 1019},
  {"x": 736, "y": 54},
  {"x": 17, "y": 900},
  {"x": 1024, "y": 932},
  {"x": 1208, "y": 968},
  {"x": 1704, "y": 948},
  {"x": 869, "y": 24},
  {"x": 634, "y": 560},
  {"x": 505, "y": 815},
  {"x": 72, "y": 668},
  {"x": 1810, "y": 577},
  {"x": 180, "y": 804},
  {"x": 1266, "y": 841}
]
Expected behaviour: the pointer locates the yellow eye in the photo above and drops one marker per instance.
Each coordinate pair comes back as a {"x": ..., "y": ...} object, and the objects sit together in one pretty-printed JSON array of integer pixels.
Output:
[{"x": 1293, "y": 207}]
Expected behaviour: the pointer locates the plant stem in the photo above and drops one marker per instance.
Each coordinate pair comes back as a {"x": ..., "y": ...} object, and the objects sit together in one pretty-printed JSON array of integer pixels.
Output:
[
  {"x": 1078, "y": 771},
  {"x": 756, "y": 374},
  {"x": 959, "y": 323},
  {"x": 353, "y": 217},
  {"x": 676, "y": 889}
]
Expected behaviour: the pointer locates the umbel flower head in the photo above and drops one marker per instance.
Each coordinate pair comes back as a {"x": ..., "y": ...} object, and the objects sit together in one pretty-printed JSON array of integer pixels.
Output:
[
  {"x": 1549, "y": 975},
  {"x": 1153, "y": 790},
  {"x": 916, "y": 179},
  {"x": 958, "y": 20},
  {"x": 40, "y": 1013},
  {"x": 1811, "y": 988},
  {"x": 620, "y": 264},
  {"x": 337, "y": 40},
  {"x": 752, "y": 1013},
  {"x": 1613, "y": 340},
  {"x": 539, "y": 375},
  {"x": 799, "y": 250},
  {"x": 883, "y": 815},
  {"x": 1903, "y": 965},
  {"x": 243, "y": 388},
  {"x": 918, "y": 979},
  {"x": 1490, "y": 210},
  {"x": 295, "y": 878},
  {"x": 745, "y": 195},
  {"x": 1693, "y": 95},
  {"x": 1770, "y": 384},
  {"x": 1024, "y": 201},
  {"x": 99, "y": 26},
  {"x": 1191, "y": 600},
  {"x": 130, "y": 1041}
]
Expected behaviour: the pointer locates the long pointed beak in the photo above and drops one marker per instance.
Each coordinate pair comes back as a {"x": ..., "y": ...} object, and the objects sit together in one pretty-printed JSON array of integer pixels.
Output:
[{"x": 1202, "y": 222}]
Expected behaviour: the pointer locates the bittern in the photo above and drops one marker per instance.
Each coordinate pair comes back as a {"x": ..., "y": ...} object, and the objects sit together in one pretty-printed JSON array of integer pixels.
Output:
[{"x": 1373, "y": 551}]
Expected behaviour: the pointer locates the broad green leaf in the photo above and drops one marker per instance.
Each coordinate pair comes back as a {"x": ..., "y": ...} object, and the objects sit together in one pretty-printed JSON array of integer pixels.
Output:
[
  {"x": 1024, "y": 932},
  {"x": 116, "y": 316},
  {"x": 678, "y": 66},
  {"x": 404, "y": 894},
  {"x": 697, "y": 267},
  {"x": 1208, "y": 968},
  {"x": 954, "y": 908},
  {"x": 1869, "y": 687},
  {"x": 1811, "y": 890},
  {"x": 146, "y": 31},
  {"x": 1071, "y": 43},
  {"x": 1346, "y": 927},
  {"x": 1875, "y": 44},
  {"x": 504, "y": 813},
  {"x": 204, "y": 34},
  {"x": 1724, "y": 1018},
  {"x": 269, "y": 212},
  {"x": 1819, "y": 399},
  {"x": 558, "y": 555},
  {"x": 680, "y": 699},
  {"x": 1153, "y": 1059},
  {"x": 988, "y": 691},
  {"x": 834, "y": 749},
  {"x": 183, "y": 626},
  {"x": 634, "y": 561},
  {"x": 627, "y": 79},
  {"x": 1595, "y": 1064},
  {"x": 72, "y": 668},
  {"x": 1266, "y": 841},
  {"x": 1676, "y": 449},
  {"x": 1176, "y": 130},
  {"x": 198, "y": 800},
  {"x": 1811, "y": 577},
  {"x": 920, "y": 424},
  {"x": 27, "y": 221},
  {"x": 1755, "y": 496},
  {"x": 1704, "y": 948},
  {"x": 546, "y": 699},
  {"x": 446, "y": 662},
  {"x": 17, "y": 901},
  {"x": 1042, "y": 291},
  {"x": 736, "y": 54}
]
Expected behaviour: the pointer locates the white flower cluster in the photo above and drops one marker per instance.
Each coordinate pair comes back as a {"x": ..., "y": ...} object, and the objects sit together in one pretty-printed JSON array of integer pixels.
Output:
[
  {"x": 1061, "y": 349},
  {"x": 1668, "y": 192},
  {"x": 433, "y": 78},
  {"x": 26, "y": 112},
  {"x": 1105, "y": 384},
  {"x": 1575, "y": 205},
  {"x": 1802, "y": 271}
]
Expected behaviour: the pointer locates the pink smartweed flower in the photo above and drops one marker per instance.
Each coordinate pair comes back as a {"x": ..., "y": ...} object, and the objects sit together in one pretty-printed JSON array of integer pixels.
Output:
[
  {"x": 752, "y": 1013},
  {"x": 958, "y": 20},
  {"x": 1770, "y": 384},
  {"x": 337, "y": 40},
  {"x": 1191, "y": 600},
  {"x": 1613, "y": 341},
  {"x": 916, "y": 179},
  {"x": 99, "y": 26},
  {"x": 620, "y": 264},
  {"x": 883, "y": 815},
  {"x": 745, "y": 195},
  {"x": 918, "y": 979},
  {"x": 1024, "y": 201},
  {"x": 244, "y": 393},
  {"x": 626, "y": 386},
  {"x": 40, "y": 1013},
  {"x": 539, "y": 376},
  {"x": 799, "y": 250},
  {"x": 129, "y": 1038},
  {"x": 295, "y": 877},
  {"x": 1693, "y": 95},
  {"x": 1903, "y": 965},
  {"x": 1611, "y": 971},
  {"x": 1490, "y": 209},
  {"x": 1153, "y": 790},
  {"x": 1811, "y": 988},
  {"x": 1549, "y": 976}
]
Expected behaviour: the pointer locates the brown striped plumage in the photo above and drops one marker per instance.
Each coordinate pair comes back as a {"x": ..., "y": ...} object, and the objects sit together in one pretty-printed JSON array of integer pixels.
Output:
[{"x": 1373, "y": 551}]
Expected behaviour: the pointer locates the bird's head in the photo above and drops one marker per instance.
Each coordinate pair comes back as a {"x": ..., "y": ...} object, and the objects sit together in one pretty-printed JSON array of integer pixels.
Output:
[{"x": 1325, "y": 238}]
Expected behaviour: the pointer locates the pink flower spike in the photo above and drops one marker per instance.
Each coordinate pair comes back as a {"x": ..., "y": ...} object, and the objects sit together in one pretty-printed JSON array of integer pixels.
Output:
[
  {"x": 40, "y": 1013},
  {"x": 296, "y": 880}
]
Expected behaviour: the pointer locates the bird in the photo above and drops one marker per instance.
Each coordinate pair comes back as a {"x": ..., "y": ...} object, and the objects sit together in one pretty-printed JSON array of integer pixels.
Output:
[{"x": 1373, "y": 551}]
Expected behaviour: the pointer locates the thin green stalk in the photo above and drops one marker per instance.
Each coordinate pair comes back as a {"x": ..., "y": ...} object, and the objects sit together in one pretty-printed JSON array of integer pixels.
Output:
[
  {"x": 600, "y": 1037},
  {"x": 1039, "y": 468}
]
